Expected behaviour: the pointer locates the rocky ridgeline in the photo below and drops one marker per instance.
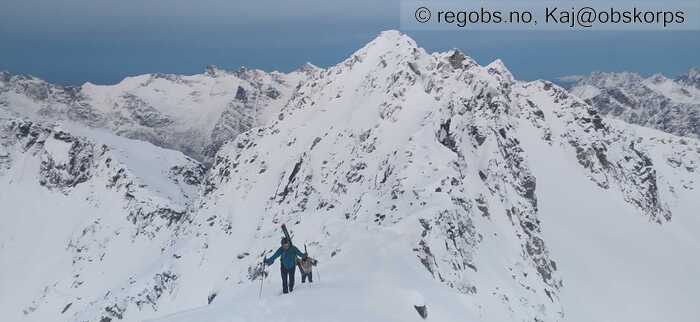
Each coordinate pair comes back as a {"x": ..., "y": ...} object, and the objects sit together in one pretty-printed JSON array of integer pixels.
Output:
[{"x": 669, "y": 105}]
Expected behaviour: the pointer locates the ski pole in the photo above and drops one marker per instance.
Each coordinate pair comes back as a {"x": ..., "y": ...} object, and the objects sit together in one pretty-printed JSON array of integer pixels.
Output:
[{"x": 262, "y": 279}]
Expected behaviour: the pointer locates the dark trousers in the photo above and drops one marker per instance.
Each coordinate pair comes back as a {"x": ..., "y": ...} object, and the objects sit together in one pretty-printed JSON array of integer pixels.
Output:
[
  {"x": 305, "y": 275},
  {"x": 287, "y": 279}
]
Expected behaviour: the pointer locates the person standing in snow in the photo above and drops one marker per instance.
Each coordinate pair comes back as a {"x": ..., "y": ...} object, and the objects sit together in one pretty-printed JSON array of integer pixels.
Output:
[
  {"x": 288, "y": 254},
  {"x": 305, "y": 266}
]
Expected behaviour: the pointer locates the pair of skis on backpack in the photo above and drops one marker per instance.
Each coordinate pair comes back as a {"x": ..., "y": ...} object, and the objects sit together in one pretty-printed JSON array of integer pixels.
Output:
[{"x": 300, "y": 263}]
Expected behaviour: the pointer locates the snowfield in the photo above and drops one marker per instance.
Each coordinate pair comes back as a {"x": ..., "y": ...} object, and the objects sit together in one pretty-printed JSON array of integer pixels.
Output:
[{"x": 416, "y": 179}]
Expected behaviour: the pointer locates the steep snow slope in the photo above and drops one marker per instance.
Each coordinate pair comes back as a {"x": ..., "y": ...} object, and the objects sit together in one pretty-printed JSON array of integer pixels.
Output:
[
  {"x": 616, "y": 265},
  {"x": 86, "y": 222},
  {"x": 193, "y": 114},
  {"x": 428, "y": 179},
  {"x": 658, "y": 102}
]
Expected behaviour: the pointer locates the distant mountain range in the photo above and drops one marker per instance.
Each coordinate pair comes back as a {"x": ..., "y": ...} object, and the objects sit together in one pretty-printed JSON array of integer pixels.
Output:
[
  {"x": 193, "y": 114},
  {"x": 669, "y": 105}
]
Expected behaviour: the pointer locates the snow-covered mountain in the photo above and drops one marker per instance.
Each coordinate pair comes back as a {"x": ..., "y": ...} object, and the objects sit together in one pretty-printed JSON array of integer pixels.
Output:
[
  {"x": 691, "y": 79},
  {"x": 193, "y": 114},
  {"x": 87, "y": 221},
  {"x": 670, "y": 105},
  {"x": 416, "y": 179}
]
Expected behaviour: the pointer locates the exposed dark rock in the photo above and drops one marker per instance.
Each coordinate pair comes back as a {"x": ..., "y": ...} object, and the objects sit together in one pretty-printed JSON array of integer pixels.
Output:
[{"x": 422, "y": 311}]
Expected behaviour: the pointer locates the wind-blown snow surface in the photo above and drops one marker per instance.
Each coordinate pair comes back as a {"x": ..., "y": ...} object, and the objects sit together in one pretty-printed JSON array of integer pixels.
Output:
[
  {"x": 426, "y": 179},
  {"x": 670, "y": 105},
  {"x": 194, "y": 114}
]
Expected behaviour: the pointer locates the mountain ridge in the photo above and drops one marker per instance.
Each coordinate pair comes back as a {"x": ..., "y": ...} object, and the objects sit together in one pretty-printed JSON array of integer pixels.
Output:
[
  {"x": 158, "y": 107},
  {"x": 670, "y": 105}
]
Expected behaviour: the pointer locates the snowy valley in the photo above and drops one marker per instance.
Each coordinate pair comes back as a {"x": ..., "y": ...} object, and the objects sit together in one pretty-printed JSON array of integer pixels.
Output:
[{"x": 415, "y": 178}]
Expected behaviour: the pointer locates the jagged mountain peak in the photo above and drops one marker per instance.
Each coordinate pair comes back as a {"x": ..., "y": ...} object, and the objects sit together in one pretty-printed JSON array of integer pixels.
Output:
[
  {"x": 388, "y": 44},
  {"x": 393, "y": 38},
  {"x": 693, "y": 73},
  {"x": 692, "y": 78},
  {"x": 499, "y": 68},
  {"x": 22, "y": 79},
  {"x": 309, "y": 68},
  {"x": 250, "y": 73},
  {"x": 213, "y": 71},
  {"x": 612, "y": 78},
  {"x": 658, "y": 78},
  {"x": 658, "y": 102},
  {"x": 5, "y": 75}
]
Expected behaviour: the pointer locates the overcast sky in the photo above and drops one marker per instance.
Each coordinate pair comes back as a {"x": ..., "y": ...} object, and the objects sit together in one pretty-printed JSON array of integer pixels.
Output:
[{"x": 102, "y": 41}]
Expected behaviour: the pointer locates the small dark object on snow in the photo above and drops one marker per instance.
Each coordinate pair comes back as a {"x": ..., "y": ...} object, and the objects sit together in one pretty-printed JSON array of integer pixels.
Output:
[
  {"x": 65, "y": 308},
  {"x": 422, "y": 311},
  {"x": 211, "y": 298}
]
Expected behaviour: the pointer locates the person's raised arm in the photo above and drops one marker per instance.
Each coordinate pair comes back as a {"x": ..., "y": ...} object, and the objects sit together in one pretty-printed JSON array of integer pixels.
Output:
[{"x": 272, "y": 258}]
